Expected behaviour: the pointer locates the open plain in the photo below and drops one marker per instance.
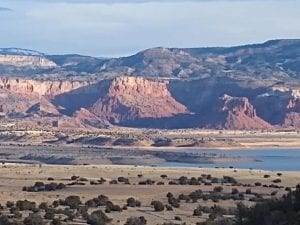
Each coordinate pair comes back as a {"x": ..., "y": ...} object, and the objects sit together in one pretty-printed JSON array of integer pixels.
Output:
[{"x": 13, "y": 177}]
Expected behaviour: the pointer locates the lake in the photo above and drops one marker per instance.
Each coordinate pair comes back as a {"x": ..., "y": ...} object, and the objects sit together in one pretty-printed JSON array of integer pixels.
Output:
[{"x": 266, "y": 159}]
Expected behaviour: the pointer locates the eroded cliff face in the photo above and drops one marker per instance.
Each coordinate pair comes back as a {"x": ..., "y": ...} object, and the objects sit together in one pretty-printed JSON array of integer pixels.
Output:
[
  {"x": 26, "y": 61},
  {"x": 240, "y": 114},
  {"x": 292, "y": 118},
  {"x": 280, "y": 106},
  {"x": 39, "y": 87},
  {"x": 140, "y": 102},
  {"x": 130, "y": 98}
]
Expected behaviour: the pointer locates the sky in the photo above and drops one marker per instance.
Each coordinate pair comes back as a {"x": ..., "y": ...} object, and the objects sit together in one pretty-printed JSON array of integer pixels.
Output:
[{"x": 113, "y": 28}]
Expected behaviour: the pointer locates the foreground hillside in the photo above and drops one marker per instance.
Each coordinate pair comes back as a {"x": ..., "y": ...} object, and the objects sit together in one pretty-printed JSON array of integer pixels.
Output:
[{"x": 244, "y": 88}]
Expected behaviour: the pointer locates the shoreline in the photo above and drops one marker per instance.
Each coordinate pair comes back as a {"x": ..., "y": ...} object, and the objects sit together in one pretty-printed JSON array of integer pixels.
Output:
[
  {"x": 154, "y": 157},
  {"x": 162, "y": 148},
  {"x": 147, "y": 167}
]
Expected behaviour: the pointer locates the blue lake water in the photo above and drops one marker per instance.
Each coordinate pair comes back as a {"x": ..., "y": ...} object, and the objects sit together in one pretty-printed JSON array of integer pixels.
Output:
[{"x": 265, "y": 159}]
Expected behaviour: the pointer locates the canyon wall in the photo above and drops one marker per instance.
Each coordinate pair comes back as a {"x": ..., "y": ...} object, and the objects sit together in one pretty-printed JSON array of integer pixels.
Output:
[{"x": 140, "y": 102}]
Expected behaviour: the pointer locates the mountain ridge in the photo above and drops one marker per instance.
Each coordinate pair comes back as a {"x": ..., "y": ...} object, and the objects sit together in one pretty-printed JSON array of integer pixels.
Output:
[{"x": 244, "y": 87}]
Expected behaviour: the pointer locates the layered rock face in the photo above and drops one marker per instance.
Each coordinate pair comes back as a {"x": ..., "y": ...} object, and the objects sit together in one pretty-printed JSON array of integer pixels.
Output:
[
  {"x": 39, "y": 87},
  {"x": 26, "y": 61},
  {"x": 292, "y": 118},
  {"x": 130, "y": 98},
  {"x": 240, "y": 114},
  {"x": 140, "y": 102}
]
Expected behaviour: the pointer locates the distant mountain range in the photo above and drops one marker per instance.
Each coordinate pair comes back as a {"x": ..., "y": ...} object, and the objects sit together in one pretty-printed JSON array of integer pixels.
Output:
[
  {"x": 19, "y": 51},
  {"x": 245, "y": 87},
  {"x": 273, "y": 59}
]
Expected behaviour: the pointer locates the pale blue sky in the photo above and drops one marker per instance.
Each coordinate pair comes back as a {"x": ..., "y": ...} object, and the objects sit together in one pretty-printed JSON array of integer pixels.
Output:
[{"x": 124, "y": 27}]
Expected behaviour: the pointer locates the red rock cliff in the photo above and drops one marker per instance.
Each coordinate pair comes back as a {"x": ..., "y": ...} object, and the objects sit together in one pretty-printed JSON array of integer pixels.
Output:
[{"x": 130, "y": 98}]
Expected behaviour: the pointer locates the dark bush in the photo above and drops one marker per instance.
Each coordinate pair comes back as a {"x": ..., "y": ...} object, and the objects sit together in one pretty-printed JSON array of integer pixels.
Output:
[
  {"x": 123, "y": 180},
  {"x": 112, "y": 207},
  {"x": 276, "y": 181},
  {"x": 69, "y": 213},
  {"x": 174, "y": 202},
  {"x": 273, "y": 193},
  {"x": 73, "y": 201},
  {"x": 43, "y": 206},
  {"x": 170, "y": 195},
  {"x": 113, "y": 182},
  {"x": 131, "y": 202},
  {"x": 25, "y": 205},
  {"x": 74, "y": 177},
  {"x": 136, "y": 221},
  {"x": 147, "y": 182},
  {"x": 40, "y": 186},
  {"x": 194, "y": 181},
  {"x": 228, "y": 179},
  {"x": 98, "y": 218},
  {"x": 91, "y": 203},
  {"x": 183, "y": 180},
  {"x": 197, "y": 211},
  {"x": 248, "y": 191},
  {"x": 49, "y": 215},
  {"x": 83, "y": 179},
  {"x": 183, "y": 197},
  {"x": 218, "y": 189},
  {"x": 4, "y": 220},
  {"x": 285, "y": 210},
  {"x": 178, "y": 218},
  {"x": 172, "y": 182},
  {"x": 195, "y": 195},
  {"x": 34, "y": 219},
  {"x": 169, "y": 208},
  {"x": 234, "y": 191},
  {"x": 9, "y": 204},
  {"x": 158, "y": 206},
  {"x": 56, "y": 222},
  {"x": 257, "y": 184}
]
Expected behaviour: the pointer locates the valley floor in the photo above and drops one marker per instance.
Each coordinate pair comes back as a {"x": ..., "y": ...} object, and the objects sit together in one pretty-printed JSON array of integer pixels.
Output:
[{"x": 13, "y": 177}]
